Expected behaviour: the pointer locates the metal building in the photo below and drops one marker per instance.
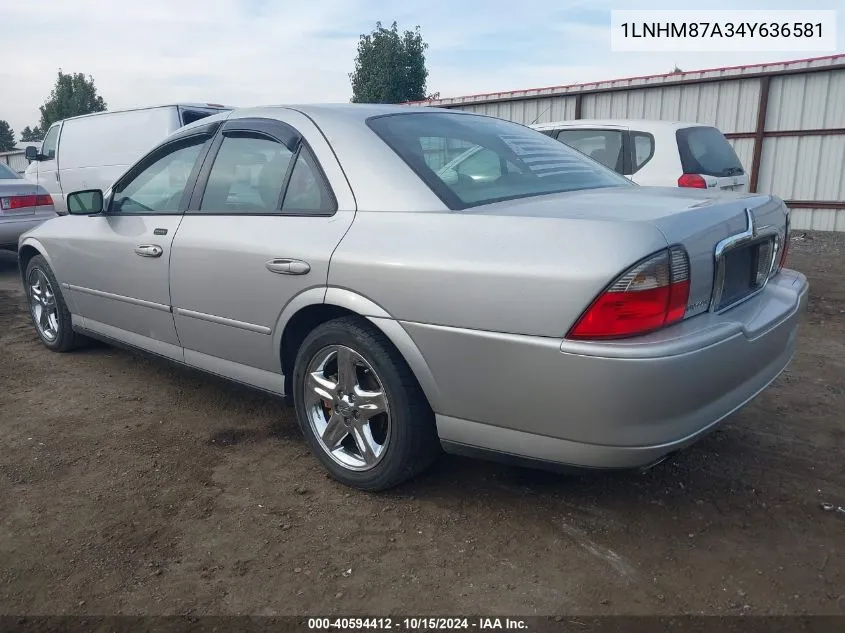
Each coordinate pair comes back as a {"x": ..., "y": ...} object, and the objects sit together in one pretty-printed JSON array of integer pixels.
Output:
[
  {"x": 15, "y": 159},
  {"x": 786, "y": 121}
]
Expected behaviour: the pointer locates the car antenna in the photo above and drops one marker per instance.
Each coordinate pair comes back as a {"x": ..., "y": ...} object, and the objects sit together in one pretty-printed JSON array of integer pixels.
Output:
[{"x": 541, "y": 114}]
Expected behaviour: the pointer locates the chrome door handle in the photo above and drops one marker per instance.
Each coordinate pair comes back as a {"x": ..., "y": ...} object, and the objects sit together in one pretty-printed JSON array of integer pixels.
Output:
[
  {"x": 288, "y": 266},
  {"x": 148, "y": 250}
]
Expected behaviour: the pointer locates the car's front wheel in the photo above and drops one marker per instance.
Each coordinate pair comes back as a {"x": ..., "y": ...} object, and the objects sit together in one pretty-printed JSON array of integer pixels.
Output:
[
  {"x": 360, "y": 406},
  {"x": 47, "y": 307}
]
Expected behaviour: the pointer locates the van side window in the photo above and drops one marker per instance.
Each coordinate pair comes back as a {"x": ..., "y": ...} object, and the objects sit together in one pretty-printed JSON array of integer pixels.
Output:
[
  {"x": 48, "y": 147},
  {"x": 604, "y": 146}
]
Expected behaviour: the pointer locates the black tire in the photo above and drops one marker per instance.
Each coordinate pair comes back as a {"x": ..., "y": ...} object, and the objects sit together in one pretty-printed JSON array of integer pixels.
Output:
[
  {"x": 413, "y": 444},
  {"x": 67, "y": 339}
]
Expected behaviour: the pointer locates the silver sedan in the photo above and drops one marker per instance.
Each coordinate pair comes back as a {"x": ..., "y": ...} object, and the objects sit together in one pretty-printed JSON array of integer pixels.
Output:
[
  {"x": 518, "y": 301},
  {"x": 23, "y": 205}
]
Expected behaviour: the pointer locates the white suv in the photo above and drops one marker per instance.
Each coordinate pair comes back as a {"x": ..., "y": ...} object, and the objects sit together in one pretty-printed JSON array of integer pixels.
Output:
[{"x": 656, "y": 153}]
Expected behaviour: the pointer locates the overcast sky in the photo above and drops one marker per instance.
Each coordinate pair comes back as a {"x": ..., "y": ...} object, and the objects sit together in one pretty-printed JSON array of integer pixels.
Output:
[{"x": 250, "y": 52}]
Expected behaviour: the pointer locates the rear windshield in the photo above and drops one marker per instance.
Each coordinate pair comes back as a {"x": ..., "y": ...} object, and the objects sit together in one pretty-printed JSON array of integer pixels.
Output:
[
  {"x": 705, "y": 150},
  {"x": 7, "y": 174},
  {"x": 469, "y": 160}
]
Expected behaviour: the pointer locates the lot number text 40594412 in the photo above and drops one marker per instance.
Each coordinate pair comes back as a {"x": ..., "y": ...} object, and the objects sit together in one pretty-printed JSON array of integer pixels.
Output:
[{"x": 416, "y": 624}]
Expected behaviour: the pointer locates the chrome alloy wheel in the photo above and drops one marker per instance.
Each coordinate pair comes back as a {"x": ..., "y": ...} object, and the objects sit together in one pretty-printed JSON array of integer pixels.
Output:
[
  {"x": 42, "y": 304},
  {"x": 347, "y": 407}
]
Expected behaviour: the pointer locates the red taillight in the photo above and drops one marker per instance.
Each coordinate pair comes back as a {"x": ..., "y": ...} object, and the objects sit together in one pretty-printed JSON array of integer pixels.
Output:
[
  {"x": 21, "y": 202},
  {"x": 650, "y": 295},
  {"x": 692, "y": 180}
]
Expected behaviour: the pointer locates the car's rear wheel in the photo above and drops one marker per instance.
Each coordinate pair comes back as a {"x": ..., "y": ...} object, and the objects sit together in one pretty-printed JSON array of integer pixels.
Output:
[
  {"x": 360, "y": 407},
  {"x": 47, "y": 307}
]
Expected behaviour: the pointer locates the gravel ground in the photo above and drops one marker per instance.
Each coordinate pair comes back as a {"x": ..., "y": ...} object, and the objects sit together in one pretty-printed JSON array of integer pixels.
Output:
[{"x": 128, "y": 486}]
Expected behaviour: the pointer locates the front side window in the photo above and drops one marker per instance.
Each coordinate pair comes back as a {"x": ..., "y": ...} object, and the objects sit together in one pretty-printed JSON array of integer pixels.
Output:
[
  {"x": 48, "y": 147},
  {"x": 159, "y": 187},
  {"x": 604, "y": 146},
  {"x": 468, "y": 160}
]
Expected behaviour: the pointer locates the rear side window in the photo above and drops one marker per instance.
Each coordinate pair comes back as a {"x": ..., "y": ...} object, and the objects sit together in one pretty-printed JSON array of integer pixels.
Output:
[
  {"x": 469, "y": 160},
  {"x": 256, "y": 175},
  {"x": 604, "y": 146},
  {"x": 643, "y": 148},
  {"x": 7, "y": 174},
  {"x": 705, "y": 150}
]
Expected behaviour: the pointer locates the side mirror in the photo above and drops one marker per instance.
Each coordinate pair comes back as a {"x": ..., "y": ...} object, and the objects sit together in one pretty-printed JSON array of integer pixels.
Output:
[
  {"x": 31, "y": 153},
  {"x": 85, "y": 202}
]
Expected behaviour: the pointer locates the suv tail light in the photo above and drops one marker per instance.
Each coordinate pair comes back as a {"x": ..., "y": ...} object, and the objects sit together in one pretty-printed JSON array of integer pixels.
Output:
[
  {"x": 692, "y": 180},
  {"x": 10, "y": 203},
  {"x": 648, "y": 296}
]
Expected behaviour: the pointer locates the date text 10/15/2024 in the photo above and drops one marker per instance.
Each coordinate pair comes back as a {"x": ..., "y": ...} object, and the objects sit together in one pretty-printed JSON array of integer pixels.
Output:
[{"x": 416, "y": 624}]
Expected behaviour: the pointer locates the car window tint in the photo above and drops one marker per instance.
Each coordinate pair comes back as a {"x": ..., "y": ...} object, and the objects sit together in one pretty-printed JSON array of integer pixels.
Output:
[
  {"x": 247, "y": 176},
  {"x": 478, "y": 163},
  {"x": 643, "y": 148},
  {"x": 307, "y": 191},
  {"x": 604, "y": 146},
  {"x": 48, "y": 147},
  {"x": 705, "y": 150},
  {"x": 436, "y": 145},
  {"x": 159, "y": 187},
  {"x": 7, "y": 174}
]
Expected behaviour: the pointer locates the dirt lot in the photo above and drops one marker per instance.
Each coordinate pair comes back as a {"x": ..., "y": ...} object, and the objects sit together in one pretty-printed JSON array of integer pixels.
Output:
[{"x": 130, "y": 486}]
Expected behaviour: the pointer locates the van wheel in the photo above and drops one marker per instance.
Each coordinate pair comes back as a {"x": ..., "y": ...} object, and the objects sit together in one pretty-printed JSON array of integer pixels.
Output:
[
  {"x": 48, "y": 309},
  {"x": 360, "y": 406}
]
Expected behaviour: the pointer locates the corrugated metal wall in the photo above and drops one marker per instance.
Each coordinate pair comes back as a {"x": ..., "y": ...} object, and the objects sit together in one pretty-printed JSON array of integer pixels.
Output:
[
  {"x": 16, "y": 160},
  {"x": 802, "y": 162}
]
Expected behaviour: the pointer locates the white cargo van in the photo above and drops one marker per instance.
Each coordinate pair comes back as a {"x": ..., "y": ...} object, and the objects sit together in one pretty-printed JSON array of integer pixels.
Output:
[{"x": 93, "y": 150}]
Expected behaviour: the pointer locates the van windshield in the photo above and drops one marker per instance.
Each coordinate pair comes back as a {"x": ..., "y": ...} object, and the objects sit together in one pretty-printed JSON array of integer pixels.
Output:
[
  {"x": 705, "y": 150},
  {"x": 469, "y": 160}
]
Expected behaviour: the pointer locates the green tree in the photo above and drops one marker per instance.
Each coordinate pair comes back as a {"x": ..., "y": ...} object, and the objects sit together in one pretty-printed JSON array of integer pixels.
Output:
[
  {"x": 389, "y": 66},
  {"x": 7, "y": 137},
  {"x": 73, "y": 94},
  {"x": 31, "y": 135}
]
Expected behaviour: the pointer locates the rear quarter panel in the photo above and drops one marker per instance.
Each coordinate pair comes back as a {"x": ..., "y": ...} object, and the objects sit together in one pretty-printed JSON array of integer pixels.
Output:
[{"x": 523, "y": 275}]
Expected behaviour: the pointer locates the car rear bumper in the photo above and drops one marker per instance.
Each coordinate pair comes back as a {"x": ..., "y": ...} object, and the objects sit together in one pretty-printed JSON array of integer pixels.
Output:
[
  {"x": 610, "y": 405},
  {"x": 12, "y": 228}
]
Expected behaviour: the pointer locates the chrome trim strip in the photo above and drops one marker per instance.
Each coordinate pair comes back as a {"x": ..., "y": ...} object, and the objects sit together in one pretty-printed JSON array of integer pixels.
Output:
[
  {"x": 750, "y": 234},
  {"x": 109, "y": 295},
  {"x": 211, "y": 318}
]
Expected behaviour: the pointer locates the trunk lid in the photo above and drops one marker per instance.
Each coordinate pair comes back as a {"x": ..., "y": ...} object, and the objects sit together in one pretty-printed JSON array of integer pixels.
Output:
[{"x": 713, "y": 227}]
